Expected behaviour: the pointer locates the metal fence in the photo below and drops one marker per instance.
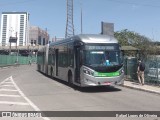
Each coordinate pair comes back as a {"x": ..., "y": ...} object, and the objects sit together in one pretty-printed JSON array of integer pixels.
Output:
[
  {"x": 152, "y": 69},
  {"x": 152, "y": 64},
  {"x": 152, "y": 72},
  {"x": 6, "y": 60}
]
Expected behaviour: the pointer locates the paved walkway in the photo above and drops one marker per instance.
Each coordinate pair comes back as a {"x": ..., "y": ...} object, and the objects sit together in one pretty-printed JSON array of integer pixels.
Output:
[{"x": 148, "y": 88}]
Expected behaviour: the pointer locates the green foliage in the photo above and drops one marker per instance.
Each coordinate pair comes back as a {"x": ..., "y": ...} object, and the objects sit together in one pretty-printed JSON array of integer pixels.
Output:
[{"x": 126, "y": 37}]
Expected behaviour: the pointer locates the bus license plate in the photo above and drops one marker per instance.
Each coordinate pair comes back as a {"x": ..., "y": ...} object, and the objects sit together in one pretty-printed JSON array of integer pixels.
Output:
[{"x": 107, "y": 83}]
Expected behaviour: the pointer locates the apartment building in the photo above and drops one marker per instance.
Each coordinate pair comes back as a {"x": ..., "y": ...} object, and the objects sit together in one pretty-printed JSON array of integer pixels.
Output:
[{"x": 14, "y": 26}]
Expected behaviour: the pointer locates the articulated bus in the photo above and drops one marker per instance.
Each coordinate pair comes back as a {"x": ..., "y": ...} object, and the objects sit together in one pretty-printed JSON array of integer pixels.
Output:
[{"x": 83, "y": 60}]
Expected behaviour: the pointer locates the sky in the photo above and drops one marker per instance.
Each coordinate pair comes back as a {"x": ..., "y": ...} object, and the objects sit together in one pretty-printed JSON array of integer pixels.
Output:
[{"x": 140, "y": 16}]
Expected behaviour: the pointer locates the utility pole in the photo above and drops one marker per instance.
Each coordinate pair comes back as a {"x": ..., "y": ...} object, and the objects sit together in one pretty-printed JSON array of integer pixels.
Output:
[
  {"x": 81, "y": 20},
  {"x": 17, "y": 49},
  {"x": 10, "y": 30},
  {"x": 16, "y": 40},
  {"x": 69, "y": 22}
]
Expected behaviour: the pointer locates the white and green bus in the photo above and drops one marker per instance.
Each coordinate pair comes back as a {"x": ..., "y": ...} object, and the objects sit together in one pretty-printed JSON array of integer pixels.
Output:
[{"x": 83, "y": 60}]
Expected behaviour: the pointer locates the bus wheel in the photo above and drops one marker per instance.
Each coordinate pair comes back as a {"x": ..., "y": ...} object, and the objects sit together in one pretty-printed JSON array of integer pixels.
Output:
[
  {"x": 70, "y": 81},
  {"x": 51, "y": 72}
]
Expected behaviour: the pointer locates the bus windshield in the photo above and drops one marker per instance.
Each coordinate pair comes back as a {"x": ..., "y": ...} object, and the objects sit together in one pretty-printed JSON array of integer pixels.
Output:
[{"x": 101, "y": 58}]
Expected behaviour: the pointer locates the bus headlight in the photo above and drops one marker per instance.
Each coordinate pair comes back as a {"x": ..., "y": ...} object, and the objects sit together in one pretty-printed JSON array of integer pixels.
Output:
[{"x": 86, "y": 71}]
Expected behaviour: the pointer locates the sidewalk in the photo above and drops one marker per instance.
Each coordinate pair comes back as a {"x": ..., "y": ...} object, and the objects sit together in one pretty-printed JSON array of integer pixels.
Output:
[{"x": 147, "y": 88}]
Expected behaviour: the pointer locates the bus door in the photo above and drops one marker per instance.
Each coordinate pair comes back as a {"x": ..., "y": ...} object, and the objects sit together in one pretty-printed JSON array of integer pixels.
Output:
[
  {"x": 77, "y": 64},
  {"x": 56, "y": 63}
]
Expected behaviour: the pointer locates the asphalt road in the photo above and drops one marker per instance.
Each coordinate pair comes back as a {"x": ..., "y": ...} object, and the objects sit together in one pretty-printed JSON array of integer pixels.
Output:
[{"x": 23, "y": 88}]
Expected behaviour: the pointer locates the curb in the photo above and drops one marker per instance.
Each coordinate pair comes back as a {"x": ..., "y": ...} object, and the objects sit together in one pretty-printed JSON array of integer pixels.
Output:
[{"x": 142, "y": 89}]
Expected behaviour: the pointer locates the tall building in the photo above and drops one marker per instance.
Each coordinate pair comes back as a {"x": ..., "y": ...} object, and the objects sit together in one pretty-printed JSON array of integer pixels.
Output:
[
  {"x": 14, "y": 25},
  {"x": 37, "y": 36}
]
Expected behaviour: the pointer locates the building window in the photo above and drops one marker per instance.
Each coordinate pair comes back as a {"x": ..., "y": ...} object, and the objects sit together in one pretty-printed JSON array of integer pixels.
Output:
[
  {"x": 39, "y": 40},
  {"x": 43, "y": 41}
]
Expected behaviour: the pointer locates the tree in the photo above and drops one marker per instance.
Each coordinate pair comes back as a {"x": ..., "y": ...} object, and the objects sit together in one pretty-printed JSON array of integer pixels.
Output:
[{"x": 126, "y": 37}]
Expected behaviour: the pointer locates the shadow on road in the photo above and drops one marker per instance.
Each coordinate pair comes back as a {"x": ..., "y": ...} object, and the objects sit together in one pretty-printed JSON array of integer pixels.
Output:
[
  {"x": 98, "y": 89},
  {"x": 87, "y": 89}
]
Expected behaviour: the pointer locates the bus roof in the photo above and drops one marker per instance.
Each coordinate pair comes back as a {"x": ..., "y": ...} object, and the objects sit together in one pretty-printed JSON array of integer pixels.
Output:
[
  {"x": 97, "y": 38},
  {"x": 89, "y": 38}
]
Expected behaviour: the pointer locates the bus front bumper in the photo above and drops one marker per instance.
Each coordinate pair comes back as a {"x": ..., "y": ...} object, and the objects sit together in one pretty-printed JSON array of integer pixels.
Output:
[{"x": 89, "y": 80}]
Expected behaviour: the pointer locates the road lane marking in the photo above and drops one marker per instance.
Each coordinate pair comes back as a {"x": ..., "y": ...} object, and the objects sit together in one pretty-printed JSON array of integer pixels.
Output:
[
  {"x": 8, "y": 82},
  {"x": 6, "y": 95},
  {"x": 8, "y": 85},
  {"x": 28, "y": 102},
  {"x": 13, "y": 103},
  {"x": 27, "y": 99},
  {"x": 9, "y": 90}
]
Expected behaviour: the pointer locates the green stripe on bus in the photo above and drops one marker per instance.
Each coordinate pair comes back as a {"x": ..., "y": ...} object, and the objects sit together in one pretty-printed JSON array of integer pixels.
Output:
[{"x": 112, "y": 74}]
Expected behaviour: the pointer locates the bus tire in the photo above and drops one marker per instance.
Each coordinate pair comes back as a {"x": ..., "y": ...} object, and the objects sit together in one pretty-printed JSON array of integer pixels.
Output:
[
  {"x": 51, "y": 72},
  {"x": 70, "y": 80}
]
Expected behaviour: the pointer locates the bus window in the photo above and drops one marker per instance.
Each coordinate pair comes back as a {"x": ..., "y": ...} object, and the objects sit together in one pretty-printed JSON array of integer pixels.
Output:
[
  {"x": 70, "y": 56},
  {"x": 96, "y": 58}
]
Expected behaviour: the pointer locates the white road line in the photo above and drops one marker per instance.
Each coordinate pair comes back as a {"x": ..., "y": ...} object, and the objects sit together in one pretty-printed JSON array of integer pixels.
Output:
[
  {"x": 8, "y": 85},
  {"x": 14, "y": 103},
  {"x": 27, "y": 99},
  {"x": 3, "y": 84},
  {"x": 11, "y": 90},
  {"x": 5, "y": 95},
  {"x": 8, "y": 82}
]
